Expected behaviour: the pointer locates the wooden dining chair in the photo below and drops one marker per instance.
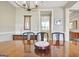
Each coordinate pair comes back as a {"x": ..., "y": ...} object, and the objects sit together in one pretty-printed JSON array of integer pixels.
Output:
[
  {"x": 42, "y": 36},
  {"x": 58, "y": 38},
  {"x": 28, "y": 37}
]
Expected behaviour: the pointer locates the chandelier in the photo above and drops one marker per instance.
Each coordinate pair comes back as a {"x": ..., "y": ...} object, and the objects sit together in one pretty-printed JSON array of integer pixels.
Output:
[{"x": 27, "y": 5}]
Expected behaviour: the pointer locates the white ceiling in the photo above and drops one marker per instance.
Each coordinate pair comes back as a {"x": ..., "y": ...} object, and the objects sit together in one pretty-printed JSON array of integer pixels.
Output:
[
  {"x": 46, "y": 4},
  {"x": 75, "y": 6},
  {"x": 74, "y": 15}
]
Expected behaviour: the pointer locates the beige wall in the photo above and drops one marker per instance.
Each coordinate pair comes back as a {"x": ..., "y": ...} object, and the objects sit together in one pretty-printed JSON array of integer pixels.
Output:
[
  {"x": 20, "y": 20},
  {"x": 7, "y": 17},
  {"x": 58, "y": 13}
]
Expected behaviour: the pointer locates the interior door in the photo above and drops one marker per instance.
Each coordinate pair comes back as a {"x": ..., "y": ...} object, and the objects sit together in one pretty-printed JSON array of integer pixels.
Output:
[{"x": 46, "y": 24}]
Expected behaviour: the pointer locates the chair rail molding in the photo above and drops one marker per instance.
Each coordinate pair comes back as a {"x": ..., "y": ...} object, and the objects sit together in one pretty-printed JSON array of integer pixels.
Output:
[{"x": 6, "y": 36}]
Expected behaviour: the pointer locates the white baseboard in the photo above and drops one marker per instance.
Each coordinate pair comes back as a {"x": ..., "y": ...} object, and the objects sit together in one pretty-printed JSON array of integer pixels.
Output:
[{"x": 6, "y": 36}]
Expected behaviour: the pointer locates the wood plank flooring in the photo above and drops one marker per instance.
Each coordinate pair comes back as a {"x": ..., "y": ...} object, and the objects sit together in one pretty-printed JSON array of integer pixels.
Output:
[{"x": 16, "y": 48}]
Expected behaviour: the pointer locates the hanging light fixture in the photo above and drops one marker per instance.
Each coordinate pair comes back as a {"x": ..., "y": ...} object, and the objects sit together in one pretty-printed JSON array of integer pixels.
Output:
[{"x": 27, "y": 5}]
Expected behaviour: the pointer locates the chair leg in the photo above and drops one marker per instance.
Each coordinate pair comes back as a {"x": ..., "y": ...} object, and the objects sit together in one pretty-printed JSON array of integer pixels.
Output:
[{"x": 57, "y": 43}]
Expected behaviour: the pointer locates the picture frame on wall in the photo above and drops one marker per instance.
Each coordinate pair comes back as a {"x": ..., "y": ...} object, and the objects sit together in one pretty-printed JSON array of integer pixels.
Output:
[
  {"x": 27, "y": 22},
  {"x": 58, "y": 21}
]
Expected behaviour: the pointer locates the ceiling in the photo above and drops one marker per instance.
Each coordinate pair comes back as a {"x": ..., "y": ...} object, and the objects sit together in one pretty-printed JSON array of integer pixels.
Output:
[
  {"x": 74, "y": 11},
  {"x": 74, "y": 15},
  {"x": 75, "y": 6},
  {"x": 46, "y": 4}
]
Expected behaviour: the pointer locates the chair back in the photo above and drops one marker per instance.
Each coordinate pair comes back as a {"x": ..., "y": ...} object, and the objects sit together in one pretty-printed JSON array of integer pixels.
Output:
[
  {"x": 28, "y": 35},
  {"x": 42, "y": 36},
  {"x": 58, "y": 37}
]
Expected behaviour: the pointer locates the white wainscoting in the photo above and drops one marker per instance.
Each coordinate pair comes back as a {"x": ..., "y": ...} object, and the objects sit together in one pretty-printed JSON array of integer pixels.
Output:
[{"x": 6, "y": 36}]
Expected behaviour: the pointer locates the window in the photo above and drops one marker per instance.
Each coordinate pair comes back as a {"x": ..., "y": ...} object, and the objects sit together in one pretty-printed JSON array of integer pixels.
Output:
[{"x": 27, "y": 22}]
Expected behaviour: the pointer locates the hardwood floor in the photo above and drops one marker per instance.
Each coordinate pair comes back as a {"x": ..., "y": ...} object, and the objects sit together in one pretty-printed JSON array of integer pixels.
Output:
[{"x": 16, "y": 48}]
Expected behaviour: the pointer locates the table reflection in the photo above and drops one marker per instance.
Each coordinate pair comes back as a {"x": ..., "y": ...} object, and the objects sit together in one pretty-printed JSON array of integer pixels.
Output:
[
  {"x": 54, "y": 51},
  {"x": 43, "y": 53}
]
